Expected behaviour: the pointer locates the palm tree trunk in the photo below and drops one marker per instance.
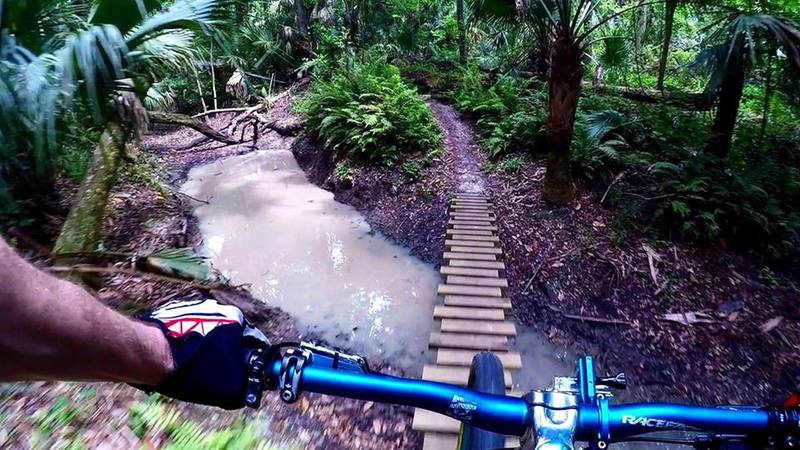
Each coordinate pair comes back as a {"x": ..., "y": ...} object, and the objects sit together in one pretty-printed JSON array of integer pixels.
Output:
[
  {"x": 767, "y": 97},
  {"x": 669, "y": 20},
  {"x": 83, "y": 229},
  {"x": 242, "y": 8},
  {"x": 303, "y": 20},
  {"x": 730, "y": 95},
  {"x": 462, "y": 34},
  {"x": 564, "y": 90}
]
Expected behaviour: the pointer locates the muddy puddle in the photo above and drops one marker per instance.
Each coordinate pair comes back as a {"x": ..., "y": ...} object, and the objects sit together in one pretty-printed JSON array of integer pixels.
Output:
[{"x": 318, "y": 260}]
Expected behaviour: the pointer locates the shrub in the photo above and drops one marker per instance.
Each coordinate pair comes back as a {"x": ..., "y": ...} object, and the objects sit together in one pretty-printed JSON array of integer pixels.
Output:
[
  {"x": 509, "y": 114},
  {"x": 370, "y": 113},
  {"x": 700, "y": 199},
  {"x": 747, "y": 202}
]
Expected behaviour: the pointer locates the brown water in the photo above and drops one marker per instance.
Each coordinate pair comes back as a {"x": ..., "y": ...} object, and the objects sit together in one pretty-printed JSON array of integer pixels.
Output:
[{"x": 316, "y": 259}]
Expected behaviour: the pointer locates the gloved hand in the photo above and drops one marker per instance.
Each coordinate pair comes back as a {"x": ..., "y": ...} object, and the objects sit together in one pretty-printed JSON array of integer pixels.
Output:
[{"x": 209, "y": 343}]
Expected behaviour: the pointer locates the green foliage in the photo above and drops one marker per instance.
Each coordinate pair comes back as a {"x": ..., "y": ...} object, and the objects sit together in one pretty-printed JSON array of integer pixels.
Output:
[
  {"x": 154, "y": 417},
  {"x": 701, "y": 199},
  {"x": 344, "y": 172},
  {"x": 412, "y": 170},
  {"x": 656, "y": 178},
  {"x": 509, "y": 113},
  {"x": 61, "y": 414},
  {"x": 370, "y": 114},
  {"x": 76, "y": 151},
  {"x": 88, "y": 57},
  {"x": 512, "y": 164}
]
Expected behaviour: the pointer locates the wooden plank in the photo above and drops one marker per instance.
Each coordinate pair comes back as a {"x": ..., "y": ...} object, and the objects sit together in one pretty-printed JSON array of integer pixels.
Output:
[
  {"x": 447, "y": 289},
  {"x": 469, "y": 243},
  {"x": 470, "y": 222},
  {"x": 432, "y": 422},
  {"x": 476, "y": 326},
  {"x": 476, "y": 264},
  {"x": 449, "y": 441},
  {"x": 477, "y": 302},
  {"x": 469, "y": 210},
  {"x": 468, "y": 341},
  {"x": 487, "y": 251},
  {"x": 470, "y": 194},
  {"x": 459, "y": 312},
  {"x": 466, "y": 207},
  {"x": 473, "y": 215},
  {"x": 470, "y": 237},
  {"x": 482, "y": 201},
  {"x": 484, "y": 233},
  {"x": 474, "y": 228},
  {"x": 447, "y": 270},
  {"x": 450, "y": 357},
  {"x": 454, "y": 375},
  {"x": 482, "y": 218},
  {"x": 470, "y": 204},
  {"x": 477, "y": 281},
  {"x": 469, "y": 256},
  {"x": 440, "y": 441}
]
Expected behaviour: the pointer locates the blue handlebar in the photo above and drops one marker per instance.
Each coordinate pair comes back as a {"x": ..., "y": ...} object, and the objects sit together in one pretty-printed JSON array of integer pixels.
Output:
[
  {"x": 514, "y": 416},
  {"x": 504, "y": 415},
  {"x": 639, "y": 418}
]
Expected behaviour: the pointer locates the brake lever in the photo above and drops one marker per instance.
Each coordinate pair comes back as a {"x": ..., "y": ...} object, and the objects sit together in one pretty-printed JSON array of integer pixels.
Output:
[{"x": 254, "y": 388}]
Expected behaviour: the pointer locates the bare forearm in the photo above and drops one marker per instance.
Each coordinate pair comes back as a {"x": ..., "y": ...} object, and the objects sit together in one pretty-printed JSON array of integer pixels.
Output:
[{"x": 53, "y": 329}]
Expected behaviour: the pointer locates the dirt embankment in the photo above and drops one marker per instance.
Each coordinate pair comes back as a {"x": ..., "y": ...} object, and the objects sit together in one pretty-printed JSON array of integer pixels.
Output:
[{"x": 592, "y": 290}]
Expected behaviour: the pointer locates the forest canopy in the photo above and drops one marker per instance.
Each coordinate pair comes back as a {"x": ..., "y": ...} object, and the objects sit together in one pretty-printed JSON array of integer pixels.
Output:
[{"x": 682, "y": 115}]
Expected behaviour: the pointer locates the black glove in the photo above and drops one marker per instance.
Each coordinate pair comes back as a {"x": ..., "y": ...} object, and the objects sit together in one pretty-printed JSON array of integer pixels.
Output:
[{"x": 210, "y": 343}]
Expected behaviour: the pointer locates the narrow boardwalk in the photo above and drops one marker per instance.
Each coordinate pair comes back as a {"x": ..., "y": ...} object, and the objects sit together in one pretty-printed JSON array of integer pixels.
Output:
[{"x": 471, "y": 316}]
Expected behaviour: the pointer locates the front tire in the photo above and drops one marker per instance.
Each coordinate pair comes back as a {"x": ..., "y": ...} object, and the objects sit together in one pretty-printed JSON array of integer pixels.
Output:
[{"x": 485, "y": 375}]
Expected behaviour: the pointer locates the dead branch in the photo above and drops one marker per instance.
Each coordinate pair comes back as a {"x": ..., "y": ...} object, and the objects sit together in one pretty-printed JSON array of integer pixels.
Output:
[
  {"x": 187, "y": 121},
  {"x": 591, "y": 319},
  {"x": 82, "y": 268},
  {"x": 218, "y": 111},
  {"x": 533, "y": 277},
  {"x": 613, "y": 182}
]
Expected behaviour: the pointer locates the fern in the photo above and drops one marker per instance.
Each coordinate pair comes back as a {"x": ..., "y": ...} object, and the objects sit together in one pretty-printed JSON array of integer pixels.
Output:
[
  {"x": 370, "y": 113},
  {"x": 509, "y": 114},
  {"x": 153, "y": 417}
]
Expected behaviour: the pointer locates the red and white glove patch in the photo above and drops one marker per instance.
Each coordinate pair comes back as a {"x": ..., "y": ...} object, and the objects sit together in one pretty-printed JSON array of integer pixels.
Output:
[{"x": 201, "y": 317}]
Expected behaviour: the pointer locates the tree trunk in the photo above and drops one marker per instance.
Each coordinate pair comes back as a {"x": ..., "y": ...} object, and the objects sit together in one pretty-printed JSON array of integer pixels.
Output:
[
  {"x": 641, "y": 28},
  {"x": 302, "y": 17},
  {"x": 462, "y": 34},
  {"x": 669, "y": 20},
  {"x": 351, "y": 15},
  {"x": 242, "y": 8},
  {"x": 83, "y": 229},
  {"x": 767, "y": 97},
  {"x": 730, "y": 95},
  {"x": 564, "y": 90}
]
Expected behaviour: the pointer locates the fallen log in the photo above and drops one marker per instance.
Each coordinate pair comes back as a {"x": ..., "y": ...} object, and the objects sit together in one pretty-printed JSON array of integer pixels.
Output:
[
  {"x": 191, "y": 122},
  {"x": 286, "y": 126},
  {"x": 218, "y": 111},
  {"x": 685, "y": 100}
]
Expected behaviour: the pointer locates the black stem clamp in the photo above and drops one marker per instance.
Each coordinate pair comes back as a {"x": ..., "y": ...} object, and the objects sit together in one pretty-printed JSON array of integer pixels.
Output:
[{"x": 291, "y": 370}]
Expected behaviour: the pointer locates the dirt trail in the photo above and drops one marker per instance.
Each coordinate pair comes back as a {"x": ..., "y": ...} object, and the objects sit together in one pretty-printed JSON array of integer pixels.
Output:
[{"x": 461, "y": 147}]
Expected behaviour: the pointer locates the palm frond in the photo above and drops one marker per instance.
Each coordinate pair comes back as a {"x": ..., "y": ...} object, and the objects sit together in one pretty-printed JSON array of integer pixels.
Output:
[
  {"x": 197, "y": 15},
  {"x": 175, "y": 48},
  {"x": 123, "y": 14},
  {"x": 602, "y": 123},
  {"x": 159, "y": 98}
]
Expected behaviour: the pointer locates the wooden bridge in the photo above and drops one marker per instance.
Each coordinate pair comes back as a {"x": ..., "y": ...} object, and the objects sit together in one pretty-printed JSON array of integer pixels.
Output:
[{"x": 471, "y": 316}]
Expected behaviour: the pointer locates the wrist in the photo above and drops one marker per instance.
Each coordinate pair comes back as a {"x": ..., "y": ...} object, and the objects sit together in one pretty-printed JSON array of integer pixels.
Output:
[{"x": 156, "y": 354}]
